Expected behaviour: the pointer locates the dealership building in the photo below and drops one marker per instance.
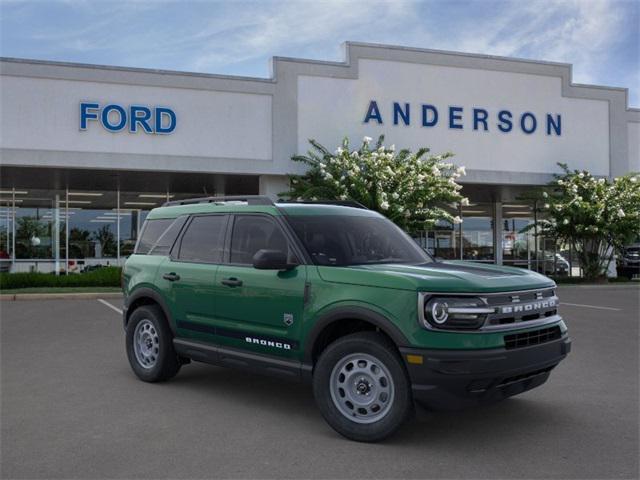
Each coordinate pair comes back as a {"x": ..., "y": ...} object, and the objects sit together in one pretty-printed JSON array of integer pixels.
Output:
[{"x": 87, "y": 150}]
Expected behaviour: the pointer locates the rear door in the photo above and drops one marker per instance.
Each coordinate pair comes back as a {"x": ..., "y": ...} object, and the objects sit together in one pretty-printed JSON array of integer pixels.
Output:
[
  {"x": 259, "y": 310},
  {"x": 188, "y": 276}
]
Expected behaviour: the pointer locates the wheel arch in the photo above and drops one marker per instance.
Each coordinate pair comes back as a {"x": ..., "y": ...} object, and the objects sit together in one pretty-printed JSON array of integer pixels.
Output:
[
  {"x": 325, "y": 325},
  {"x": 148, "y": 296}
]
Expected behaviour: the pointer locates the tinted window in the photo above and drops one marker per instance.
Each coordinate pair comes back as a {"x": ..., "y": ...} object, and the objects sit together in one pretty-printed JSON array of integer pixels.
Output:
[
  {"x": 349, "y": 240},
  {"x": 168, "y": 238},
  {"x": 151, "y": 232},
  {"x": 253, "y": 233},
  {"x": 204, "y": 239}
]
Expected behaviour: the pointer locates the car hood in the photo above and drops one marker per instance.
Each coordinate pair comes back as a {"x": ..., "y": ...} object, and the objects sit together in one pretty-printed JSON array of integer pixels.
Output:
[{"x": 448, "y": 276}]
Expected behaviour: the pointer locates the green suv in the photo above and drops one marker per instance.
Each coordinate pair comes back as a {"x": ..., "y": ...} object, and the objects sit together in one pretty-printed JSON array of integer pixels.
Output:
[{"x": 338, "y": 296}]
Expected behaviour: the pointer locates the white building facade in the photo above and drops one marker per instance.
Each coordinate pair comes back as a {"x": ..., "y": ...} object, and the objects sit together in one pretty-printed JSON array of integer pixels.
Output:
[{"x": 86, "y": 151}]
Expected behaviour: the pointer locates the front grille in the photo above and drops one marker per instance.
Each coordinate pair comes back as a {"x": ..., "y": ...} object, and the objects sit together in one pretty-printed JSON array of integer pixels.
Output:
[
  {"x": 516, "y": 307},
  {"x": 534, "y": 337}
]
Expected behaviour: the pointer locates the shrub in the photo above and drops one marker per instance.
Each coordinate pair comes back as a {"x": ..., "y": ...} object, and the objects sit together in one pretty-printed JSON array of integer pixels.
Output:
[
  {"x": 408, "y": 188},
  {"x": 595, "y": 215},
  {"x": 101, "y": 277}
]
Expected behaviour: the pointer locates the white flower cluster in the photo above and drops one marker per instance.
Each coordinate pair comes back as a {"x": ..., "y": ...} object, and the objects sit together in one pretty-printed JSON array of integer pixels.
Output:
[
  {"x": 595, "y": 215},
  {"x": 406, "y": 187}
]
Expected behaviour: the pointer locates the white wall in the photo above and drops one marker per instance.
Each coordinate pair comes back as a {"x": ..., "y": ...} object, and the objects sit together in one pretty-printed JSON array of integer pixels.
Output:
[
  {"x": 329, "y": 108},
  {"x": 44, "y": 114}
]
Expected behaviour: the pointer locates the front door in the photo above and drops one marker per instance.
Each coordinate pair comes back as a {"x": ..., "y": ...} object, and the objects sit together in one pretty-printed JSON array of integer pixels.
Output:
[
  {"x": 188, "y": 277},
  {"x": 259, "y": 310}
]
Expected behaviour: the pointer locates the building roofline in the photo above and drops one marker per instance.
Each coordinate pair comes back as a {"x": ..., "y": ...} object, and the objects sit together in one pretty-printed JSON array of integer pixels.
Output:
[
  {"x": 456, "y": 53},
  {"x": 347, "y": 62},
  {"x": 118, "y": 68}
]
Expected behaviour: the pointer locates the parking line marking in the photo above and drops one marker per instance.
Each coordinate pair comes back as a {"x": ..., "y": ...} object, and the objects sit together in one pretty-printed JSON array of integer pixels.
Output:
[
  {"x": 112, "y": 307},
  {"x": 590, "y": 306}
]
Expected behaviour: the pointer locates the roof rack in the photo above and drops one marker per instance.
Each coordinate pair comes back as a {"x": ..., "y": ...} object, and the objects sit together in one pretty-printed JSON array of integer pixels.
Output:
[
  {"x": 250, "y": 199},
  {"x": 342, "y": 203}
]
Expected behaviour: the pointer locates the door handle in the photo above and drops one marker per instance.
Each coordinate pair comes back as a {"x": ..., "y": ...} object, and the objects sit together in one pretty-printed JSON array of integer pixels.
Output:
[
  {"x": 231, "y": 282},
  {"x": 172, "y": 277}
]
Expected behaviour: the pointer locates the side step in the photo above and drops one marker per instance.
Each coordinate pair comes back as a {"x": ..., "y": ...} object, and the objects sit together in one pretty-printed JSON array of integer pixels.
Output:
[{"x": 253, "y": 362}]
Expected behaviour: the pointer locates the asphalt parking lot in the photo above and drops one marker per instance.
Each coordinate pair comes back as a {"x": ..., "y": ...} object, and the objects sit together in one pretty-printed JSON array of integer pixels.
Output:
[{"x": 71, "y": 408}]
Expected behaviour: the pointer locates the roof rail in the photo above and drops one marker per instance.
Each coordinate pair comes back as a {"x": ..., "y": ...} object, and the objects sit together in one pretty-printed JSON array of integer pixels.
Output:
[
  {"x": 342, "y": 203},
  {"x": 250, "y": 199}
]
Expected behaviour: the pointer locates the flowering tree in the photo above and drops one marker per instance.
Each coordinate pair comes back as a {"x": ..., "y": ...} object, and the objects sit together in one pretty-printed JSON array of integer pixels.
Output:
[
  {"x": 408, "y": 188},
  {"x": 596, "y": 216}
]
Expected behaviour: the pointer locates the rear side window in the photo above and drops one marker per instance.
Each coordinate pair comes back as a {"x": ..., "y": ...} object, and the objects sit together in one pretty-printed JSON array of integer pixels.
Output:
[
  {"x": 203, "y": 240},
  {"x": 151, "y": 232},
  {"x": 167, "y": 239}
]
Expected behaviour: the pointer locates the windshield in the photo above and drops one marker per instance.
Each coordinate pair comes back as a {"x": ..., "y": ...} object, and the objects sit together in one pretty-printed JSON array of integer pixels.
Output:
[{"x": 340, "y": 240}]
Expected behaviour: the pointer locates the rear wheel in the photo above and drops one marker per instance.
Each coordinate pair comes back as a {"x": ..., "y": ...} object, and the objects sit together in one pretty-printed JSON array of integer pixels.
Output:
[
  {"x": 361, "y": 387},
  {"x": 150, "y": 345}
]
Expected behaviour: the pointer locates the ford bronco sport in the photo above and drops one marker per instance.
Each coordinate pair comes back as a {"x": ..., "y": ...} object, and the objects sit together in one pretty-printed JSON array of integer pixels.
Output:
[{"x": 338, "y": 296}]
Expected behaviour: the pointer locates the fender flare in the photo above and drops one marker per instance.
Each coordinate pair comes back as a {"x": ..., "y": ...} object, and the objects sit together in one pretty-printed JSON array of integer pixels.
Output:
[
  {"x": 146, "y": 292},
  {"x": 352, "y": 313}
]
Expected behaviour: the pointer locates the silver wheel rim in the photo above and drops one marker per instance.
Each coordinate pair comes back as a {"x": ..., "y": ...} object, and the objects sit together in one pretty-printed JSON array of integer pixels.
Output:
[
  {"x": 362, "y": 388},
  {"x": 146, "y": 344}
]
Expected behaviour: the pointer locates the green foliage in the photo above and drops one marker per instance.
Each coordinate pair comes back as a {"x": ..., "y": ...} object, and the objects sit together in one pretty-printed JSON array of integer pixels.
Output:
[
  {"x": 101, "y": 277},
  {"x": 107, "y": 240},
  {"x": 596, "y": 216},
  {"x": 408, "y": 188},
  {"x": 28, "y": 228}
]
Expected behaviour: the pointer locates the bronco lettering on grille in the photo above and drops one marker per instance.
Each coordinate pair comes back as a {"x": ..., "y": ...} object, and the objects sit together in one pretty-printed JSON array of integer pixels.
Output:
[{"x": 529, "y": 307}]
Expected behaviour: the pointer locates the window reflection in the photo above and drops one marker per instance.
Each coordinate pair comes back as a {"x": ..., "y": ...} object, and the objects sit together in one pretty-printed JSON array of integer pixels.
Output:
[
  {"x": 518, "y": 239},
  {"x": 78, "y": 229},
  {"x": 38, "y": 221},
  {"x": 6, "y": 235},
  {"x": 442, "y": 242},
  {"x": 134, "y": 208},
  {"x": 477, "y": 233}
]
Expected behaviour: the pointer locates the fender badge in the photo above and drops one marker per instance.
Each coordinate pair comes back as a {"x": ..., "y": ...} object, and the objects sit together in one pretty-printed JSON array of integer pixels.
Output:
[{"x": 287, "y": 318}]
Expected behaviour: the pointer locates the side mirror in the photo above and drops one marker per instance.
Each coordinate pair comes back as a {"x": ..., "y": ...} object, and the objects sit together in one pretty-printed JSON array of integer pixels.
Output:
[{"x": 271, "y": 260}]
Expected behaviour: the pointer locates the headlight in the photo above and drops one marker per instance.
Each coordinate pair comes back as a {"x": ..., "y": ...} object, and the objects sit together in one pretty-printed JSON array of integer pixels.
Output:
[{"x": 455, "y": 312}]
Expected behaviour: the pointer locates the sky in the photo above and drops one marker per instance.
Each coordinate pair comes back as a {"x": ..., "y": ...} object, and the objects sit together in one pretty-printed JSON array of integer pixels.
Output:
[{"x": 601, "y": 38}]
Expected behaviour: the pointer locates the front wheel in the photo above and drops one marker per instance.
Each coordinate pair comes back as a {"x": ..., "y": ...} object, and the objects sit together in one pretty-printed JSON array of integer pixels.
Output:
[{"x": 361, "y": 387}]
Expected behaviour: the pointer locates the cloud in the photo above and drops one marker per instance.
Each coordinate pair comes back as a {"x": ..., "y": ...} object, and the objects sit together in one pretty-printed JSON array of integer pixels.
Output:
[
  {"x": 287, "y": 26},
  {"x": 569, "y": 31},
  {"x": 599, "y": 37}
]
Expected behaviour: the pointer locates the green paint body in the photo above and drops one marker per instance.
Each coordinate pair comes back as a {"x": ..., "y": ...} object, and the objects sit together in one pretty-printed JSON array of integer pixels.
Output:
[{"x": 259, "y": 306}]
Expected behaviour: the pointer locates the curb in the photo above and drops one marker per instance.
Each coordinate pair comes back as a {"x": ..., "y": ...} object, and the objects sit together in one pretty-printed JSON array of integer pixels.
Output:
[{"x": 59, "y": 296}]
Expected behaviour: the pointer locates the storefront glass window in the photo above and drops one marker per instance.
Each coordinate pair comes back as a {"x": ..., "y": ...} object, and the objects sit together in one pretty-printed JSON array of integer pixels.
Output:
[
  {"x": 477, "y": 233},
  {"x": 6, "y": 230},
  {"x": 39, "y": 219},
  {"x": 134, "y": 208},
  {"x": 442, "y": 241},
  {"x": 518, "y": 237},
  {"x": 74, "y": 230}
]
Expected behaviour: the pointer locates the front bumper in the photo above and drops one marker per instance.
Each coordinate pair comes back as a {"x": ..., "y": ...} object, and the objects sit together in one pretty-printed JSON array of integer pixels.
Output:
[{"x": 452, "y": 379}]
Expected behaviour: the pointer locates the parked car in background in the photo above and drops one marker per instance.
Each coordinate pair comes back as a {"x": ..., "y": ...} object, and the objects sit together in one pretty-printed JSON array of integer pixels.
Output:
[
  {"x": 556, "y": 264},
  {"x": 628, "y": 264}
]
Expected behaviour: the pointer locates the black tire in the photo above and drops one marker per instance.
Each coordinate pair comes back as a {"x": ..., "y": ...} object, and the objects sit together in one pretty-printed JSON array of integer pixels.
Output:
[
  {"x": 381, "y": 349},
  {"x": 166, "y": 364}
]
